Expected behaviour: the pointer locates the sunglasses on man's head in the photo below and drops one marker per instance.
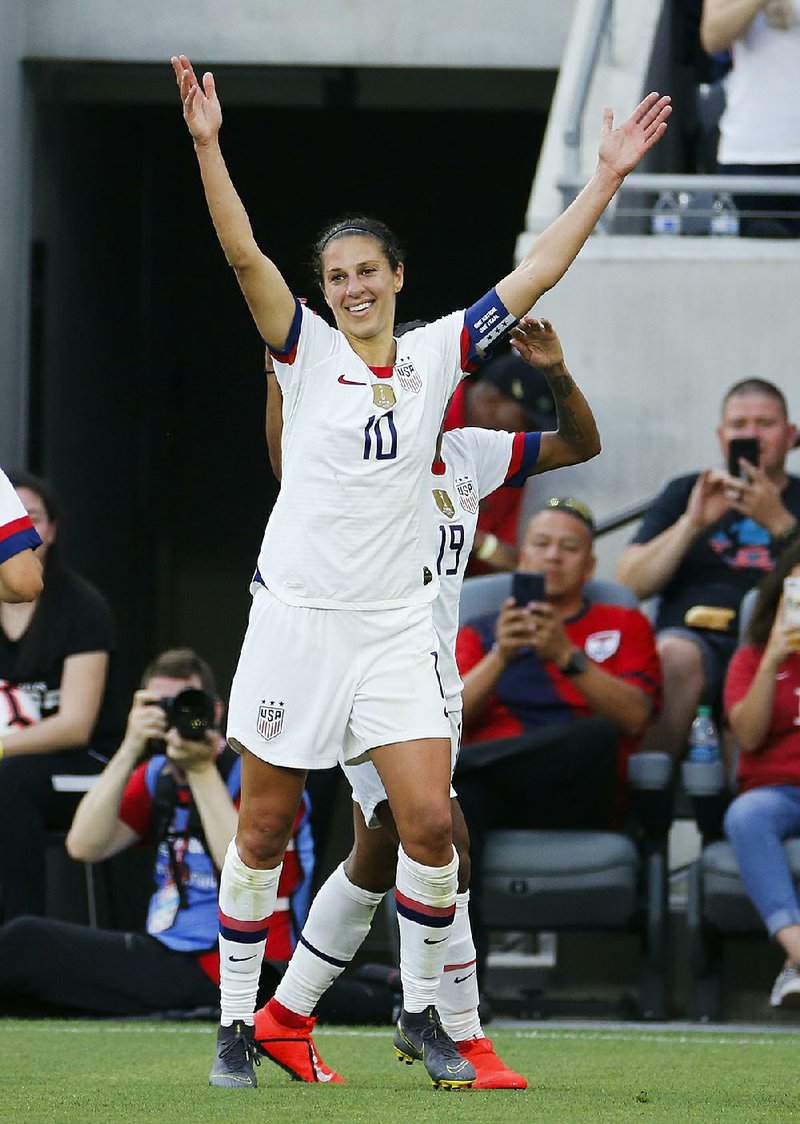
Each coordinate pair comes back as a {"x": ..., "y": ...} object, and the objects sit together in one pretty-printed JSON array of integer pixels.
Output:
[{"x": 574, "y": 507}]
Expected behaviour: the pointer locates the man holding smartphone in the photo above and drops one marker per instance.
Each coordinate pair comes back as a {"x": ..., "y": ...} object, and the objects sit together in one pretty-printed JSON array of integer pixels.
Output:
[
  {"x": 557, "y": 694},
  {"x": 708, "y": 538}
]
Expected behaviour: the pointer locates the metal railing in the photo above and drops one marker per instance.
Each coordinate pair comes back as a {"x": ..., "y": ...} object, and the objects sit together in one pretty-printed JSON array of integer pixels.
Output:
[
  {"x": 600, "y": 32},
  {"x": 570, "y": 184}
]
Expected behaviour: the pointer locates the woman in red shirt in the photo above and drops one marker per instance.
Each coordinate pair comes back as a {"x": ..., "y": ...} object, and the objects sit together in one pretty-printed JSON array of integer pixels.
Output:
[{"x": 762, "y": 703}]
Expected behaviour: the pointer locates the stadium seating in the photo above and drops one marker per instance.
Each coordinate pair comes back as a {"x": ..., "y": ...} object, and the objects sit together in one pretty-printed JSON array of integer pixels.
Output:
[{"x": 587, "y": 880}]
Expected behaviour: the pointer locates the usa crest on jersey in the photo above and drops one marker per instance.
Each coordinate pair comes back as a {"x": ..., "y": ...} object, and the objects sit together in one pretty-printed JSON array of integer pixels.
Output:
[
  {"x": 467, "y": 494},
  {"x": 408, "y": 376},
  {"x": 601, "y": 646},
  {"x": 270, "y": 720}
]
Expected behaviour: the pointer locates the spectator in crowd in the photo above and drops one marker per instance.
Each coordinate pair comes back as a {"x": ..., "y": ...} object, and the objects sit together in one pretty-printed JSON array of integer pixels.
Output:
[
  {"x": 174, "y": 783},
  {"x": 57, "y": 705},
  {"x": 557, "y": 694},
  {"x": 706, "y": 540},
  {"x": 760, "y": 126},
  {"x": 761, "y": 701},
  {"x": 507, "y": 394},
  {"x": 20, "y": 569}
]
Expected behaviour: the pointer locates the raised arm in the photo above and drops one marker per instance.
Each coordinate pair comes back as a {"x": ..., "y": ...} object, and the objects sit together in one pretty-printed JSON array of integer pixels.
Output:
[
  {"x": 552, "y": 253},
  {"x": 267, "y": 294},
  {"x": 724, "y": 21},
  {"x": 576, "y": 438}
]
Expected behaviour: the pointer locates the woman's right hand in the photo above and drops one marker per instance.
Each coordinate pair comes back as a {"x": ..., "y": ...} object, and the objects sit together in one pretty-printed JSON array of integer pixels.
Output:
[{"x": 202, "y": 111}]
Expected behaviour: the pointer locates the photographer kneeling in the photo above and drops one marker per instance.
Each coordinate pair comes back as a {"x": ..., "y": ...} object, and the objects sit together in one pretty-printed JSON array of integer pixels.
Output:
[{"x": 173, "y": 782}]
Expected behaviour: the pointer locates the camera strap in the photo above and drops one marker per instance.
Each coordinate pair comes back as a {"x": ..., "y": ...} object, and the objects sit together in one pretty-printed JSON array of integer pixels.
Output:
[{"x": 168, "y": 797}]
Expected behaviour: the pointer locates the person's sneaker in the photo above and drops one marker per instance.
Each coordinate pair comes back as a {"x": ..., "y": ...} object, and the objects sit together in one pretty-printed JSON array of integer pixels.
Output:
[
  {"x": 292, "y": 1048},
  {"x": 236, "y": 1056},
  {"x": 786, "y": 989},
  {"x": 492, "y": 1072},
  {"x": 420, "y": 1037}
]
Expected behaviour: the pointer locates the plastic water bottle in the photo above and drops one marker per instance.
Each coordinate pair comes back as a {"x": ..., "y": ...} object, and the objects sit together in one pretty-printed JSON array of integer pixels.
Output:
[
  {"x": 703, "y": 739},
  {"x": 724, "y": 216},
  {"x": 666, "y": 216}
]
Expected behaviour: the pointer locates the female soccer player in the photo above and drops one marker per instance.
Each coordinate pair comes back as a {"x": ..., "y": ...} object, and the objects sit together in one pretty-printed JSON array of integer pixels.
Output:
[{"x": 340, "y": 647}]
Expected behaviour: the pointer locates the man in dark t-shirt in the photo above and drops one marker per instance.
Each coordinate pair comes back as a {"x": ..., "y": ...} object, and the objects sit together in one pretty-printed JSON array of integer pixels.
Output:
[{"x": 707, "y": 539}]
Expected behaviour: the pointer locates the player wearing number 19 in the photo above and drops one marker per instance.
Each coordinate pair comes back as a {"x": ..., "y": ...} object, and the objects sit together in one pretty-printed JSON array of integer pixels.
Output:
[{"x": 340, "y": 648}]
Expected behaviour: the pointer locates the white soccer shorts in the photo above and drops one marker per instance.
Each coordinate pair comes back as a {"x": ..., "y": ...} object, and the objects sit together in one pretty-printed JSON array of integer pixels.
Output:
[
  {"x": 368, "y": 790},
  {"x": 312, "y": 681}
]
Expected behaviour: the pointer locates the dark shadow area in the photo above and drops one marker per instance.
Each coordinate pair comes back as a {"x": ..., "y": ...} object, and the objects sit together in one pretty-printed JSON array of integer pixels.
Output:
[{"x": 147, "y": 393}]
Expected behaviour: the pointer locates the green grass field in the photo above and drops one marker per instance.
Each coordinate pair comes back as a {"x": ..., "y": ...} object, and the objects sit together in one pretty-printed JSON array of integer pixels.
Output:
[{"x": 76, "y": 1071}]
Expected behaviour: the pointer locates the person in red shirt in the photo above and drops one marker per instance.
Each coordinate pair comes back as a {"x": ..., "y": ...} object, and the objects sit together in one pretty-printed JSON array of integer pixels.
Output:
[
  {"x": 762, "y": 703},
  {"x": 180, "y": 793},
  {"x": 557, "y": 695},
  {"x": 512, "y": 395}
]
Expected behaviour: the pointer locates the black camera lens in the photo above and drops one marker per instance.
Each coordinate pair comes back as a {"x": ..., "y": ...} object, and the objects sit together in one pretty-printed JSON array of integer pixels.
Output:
[{"x": 190, "y": 712}]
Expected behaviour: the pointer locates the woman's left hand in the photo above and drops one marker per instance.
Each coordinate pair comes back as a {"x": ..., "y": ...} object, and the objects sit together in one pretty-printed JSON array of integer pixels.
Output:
[{"x": 621, "y": 149}]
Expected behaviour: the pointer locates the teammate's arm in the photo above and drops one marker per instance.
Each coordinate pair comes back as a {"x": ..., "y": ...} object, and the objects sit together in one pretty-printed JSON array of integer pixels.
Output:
[
  {"x": 576, "y": 438},
  {"x": 267, "y": 294},
  {"x": 556, "y": 248}
]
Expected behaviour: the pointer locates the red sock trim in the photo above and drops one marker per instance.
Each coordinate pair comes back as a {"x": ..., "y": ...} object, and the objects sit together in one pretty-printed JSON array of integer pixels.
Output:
[{"x": 284, "y": 1016}]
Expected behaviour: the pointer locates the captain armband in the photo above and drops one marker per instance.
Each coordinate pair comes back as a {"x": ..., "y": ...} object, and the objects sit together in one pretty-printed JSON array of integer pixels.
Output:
[{"x": 487, "y": 321}]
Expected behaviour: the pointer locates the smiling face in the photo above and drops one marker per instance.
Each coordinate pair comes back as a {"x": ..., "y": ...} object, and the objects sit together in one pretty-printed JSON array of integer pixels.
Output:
[
  {"x": 761, "y": 416},
  {"x": 360, "y": 285}
]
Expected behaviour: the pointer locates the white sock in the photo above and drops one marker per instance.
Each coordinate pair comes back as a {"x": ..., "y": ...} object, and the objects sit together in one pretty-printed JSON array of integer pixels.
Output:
[
  {"x": 246, "y": 900},
  {"x": 338, "y": 921},
  {"x": 425, "y": 898},
  {"x": 458, "y": 991}
]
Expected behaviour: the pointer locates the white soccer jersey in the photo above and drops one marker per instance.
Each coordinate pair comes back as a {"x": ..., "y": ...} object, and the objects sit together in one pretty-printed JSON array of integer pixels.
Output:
[
  {"x": 17, "y": 533},
  {"x": 349, "y": 529},
  {"x": 476, "y": 462}
]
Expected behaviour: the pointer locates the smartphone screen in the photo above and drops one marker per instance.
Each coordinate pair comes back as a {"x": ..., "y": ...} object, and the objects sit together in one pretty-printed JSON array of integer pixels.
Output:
[
  {"x": 746, "y": 447},
  {"x": 527, "y": 587}
]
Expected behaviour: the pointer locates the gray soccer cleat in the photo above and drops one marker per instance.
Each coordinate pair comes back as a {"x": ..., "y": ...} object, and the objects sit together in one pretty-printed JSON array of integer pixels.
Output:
[
  {"x": 236, "y": 1056},
  {"x": 420, "y": 1037}
]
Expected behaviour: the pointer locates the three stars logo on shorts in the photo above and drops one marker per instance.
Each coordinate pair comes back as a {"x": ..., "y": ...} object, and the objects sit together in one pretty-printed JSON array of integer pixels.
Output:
[{"x": 270, "y": 719}]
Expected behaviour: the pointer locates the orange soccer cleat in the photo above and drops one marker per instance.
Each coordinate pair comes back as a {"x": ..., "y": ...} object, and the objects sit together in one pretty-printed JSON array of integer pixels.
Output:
[
  {"x": 292, "y": 1047},
  {"x": 492, "y": 1072}
]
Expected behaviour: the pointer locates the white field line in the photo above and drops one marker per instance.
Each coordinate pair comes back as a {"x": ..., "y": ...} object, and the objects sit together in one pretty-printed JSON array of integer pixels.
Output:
[{"x": 712, "y": 1036}]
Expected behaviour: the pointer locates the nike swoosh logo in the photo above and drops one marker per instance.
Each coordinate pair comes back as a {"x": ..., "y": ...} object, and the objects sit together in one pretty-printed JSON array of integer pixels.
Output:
[
  {"x": 350, "y": 382},
  {"x": 238, "y": 958},
  {"x": 783, "y": 675},
  {"x": 429, "y": 941},
  {"x": 460, "y": 979}
]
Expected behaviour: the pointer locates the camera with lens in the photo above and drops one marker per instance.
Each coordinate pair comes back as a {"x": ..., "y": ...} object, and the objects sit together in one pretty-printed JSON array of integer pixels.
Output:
[{"x": 190, "y": 712}]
